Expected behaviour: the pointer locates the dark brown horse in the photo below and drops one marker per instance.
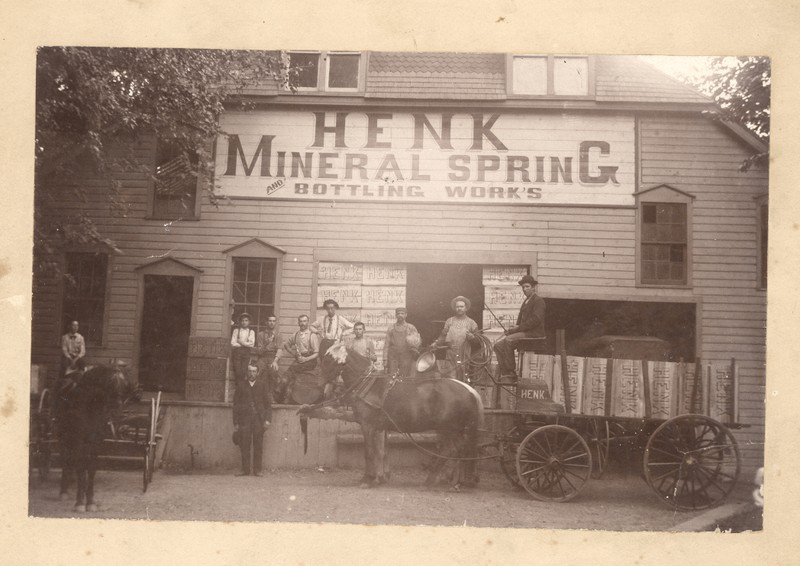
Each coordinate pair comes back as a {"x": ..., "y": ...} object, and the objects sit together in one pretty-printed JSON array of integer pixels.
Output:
[
  {"x": 449, "y": 407},
  {"x": 85, "y": 405}
]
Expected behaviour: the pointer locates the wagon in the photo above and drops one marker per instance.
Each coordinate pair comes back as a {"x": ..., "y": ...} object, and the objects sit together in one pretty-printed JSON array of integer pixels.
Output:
[
  {"x": 669, "y": 415},
  {"x": 131, "y": 436}
]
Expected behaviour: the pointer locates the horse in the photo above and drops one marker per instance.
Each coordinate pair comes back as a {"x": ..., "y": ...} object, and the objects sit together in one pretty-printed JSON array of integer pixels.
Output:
[
  {"x": 84, "y": 404},
  {"x": 450, "y": 408}
]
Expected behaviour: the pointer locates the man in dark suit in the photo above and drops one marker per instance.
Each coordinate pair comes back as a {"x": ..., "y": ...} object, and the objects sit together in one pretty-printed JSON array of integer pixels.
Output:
[
  {"x": 252, "y": 412},
  {"x": 530, "y": 324}
]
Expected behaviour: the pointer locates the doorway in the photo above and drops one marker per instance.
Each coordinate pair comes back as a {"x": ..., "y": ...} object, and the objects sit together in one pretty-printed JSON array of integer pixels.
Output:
[
  {"x": 165, "y": 330},
  {"x": 431, "y": 286}
]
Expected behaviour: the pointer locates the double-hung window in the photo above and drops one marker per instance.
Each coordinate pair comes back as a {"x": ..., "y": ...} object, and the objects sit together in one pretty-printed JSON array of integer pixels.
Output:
[
  {"x": 550, "y": 75},
  {"x": 84, "y": 299},
  {"x": 175, "y": 186},
  {"x": 325, "y": 71}
]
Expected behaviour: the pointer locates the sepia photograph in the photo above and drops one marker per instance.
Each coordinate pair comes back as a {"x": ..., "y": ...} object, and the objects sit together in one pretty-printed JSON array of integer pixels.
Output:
[
  {"x": 400, "y": 288},
  {"x": 474, "y": 282}
]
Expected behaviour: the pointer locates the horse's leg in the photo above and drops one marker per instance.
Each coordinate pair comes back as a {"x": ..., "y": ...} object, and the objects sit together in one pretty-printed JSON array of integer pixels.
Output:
[
  {"x": 442, "y": 446},
  {"x": 67, "y": 468},
  {"x": 470, "y": 465},
  {"x": 80, "y": 474},
  {"x": 369, "y": 455},
  {"x": 381, "y": 474},
  {"x": 91, "y": 468}
]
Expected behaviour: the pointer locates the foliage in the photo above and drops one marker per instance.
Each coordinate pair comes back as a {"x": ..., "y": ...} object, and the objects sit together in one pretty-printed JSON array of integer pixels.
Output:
[
  {"x": 741, "y": 88},
  {"x": 94, "y": 104}
]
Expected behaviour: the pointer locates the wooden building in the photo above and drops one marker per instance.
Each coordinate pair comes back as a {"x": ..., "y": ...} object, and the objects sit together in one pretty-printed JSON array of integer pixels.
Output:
[{"x": 395, "y": 179}]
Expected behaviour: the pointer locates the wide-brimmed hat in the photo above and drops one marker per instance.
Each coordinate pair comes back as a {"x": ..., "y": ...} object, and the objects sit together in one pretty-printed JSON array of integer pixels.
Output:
[
  {"x": 460, "y": 298},
  {"x": 527, "y": 279},
  {"x": 330, "y": 302},
  {"x": 243, "y": 315}
]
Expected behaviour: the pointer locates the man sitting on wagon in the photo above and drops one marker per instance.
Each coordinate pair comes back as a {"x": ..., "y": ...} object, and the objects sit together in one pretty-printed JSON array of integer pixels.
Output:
[{"x": 530, "y": 324}]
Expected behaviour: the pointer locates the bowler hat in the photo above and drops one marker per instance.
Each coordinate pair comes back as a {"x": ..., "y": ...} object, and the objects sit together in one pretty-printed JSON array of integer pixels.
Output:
[
  {"x": 467, "y": 302},
  {"x": 330, "y": 302},
  {"x": 527, "y": 279}
]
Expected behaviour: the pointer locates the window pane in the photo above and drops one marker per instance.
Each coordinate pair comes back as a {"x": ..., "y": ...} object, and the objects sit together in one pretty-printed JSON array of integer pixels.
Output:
[
  {"x": 239, "y": 270},
  {"x": 530, "y": 75},
  {"x": 343, "y": 71},
  {"x": 304, "y": 67},
  {"x": 649, "y": 214},
  {"x": 571, "y": 75},
  {"x": 84, "y": 294},
  {"x": 255, "y": 291}
]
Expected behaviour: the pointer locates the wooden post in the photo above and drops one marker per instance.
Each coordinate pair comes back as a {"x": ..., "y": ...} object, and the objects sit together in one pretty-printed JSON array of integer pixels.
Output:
[
  {"x": 698, "y": 377},
  {"x": 707, "y": 390},
  {"x": 609, "y": 377},
  {"x": 646, "y": 382},
  {"x": 561, "y": 345},
  {"x": 735, "y": 379}
]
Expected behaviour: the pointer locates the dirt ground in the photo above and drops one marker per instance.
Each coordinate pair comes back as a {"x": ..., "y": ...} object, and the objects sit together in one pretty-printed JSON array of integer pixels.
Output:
[{"x": 620, "y": 501}]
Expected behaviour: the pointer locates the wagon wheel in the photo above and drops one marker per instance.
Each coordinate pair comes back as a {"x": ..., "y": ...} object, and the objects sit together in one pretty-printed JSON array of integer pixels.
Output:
[
  {"x": 554, "y": 463},
  {"x": 508, "y": 462},
  {"x": 692, "y": 462},
  {"x": 44, "y": 430},
  {"x": 599, "y": 440}
]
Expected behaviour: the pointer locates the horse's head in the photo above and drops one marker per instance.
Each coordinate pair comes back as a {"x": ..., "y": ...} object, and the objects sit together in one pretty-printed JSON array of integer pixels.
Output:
[
  {"x": 122, "y": 387},
  {"x": 338, "y": 358}
]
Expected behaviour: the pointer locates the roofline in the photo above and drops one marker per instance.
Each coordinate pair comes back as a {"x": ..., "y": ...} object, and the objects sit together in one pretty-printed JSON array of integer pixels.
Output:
[
  {"x": 745, "y": 135},
  {"x": 168, "y": 258}
]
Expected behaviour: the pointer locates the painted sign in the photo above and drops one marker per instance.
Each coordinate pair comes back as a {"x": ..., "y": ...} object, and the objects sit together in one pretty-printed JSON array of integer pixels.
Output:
[
  {"x": 383, "y": 297},
  {"x": 347, "y": 296},
  {"x": 503, "y": 274},
  {"x": 456, "y": 157},
  {"x": 575, "y": 375},
  {"x": 504, "y": 297},
  {"x": 329, "y": 272},
  {"x": 594, "y": 386},
  {"x": 384, "y": 274}
]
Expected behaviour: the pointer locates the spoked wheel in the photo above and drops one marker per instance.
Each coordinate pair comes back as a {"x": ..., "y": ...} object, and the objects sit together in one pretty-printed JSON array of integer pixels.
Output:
[
  {"x": 598, "y": 438},
  {"x": 692, "y": 462},
  {"x": 148, "y": 456},
  {"x": 554, "y": 463},
  {"x": 149, "y": 449},
  {"x": 508, "y": 463}
]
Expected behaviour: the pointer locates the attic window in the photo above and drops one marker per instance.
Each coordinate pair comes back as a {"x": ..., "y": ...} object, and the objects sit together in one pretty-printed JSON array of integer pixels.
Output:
[
  {"x": 548, "y": 75},
  {"x": 325, "y": 71}
]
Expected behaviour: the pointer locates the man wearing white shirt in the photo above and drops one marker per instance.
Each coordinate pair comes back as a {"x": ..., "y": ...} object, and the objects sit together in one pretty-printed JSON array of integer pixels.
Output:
[
  {"x": 330, "y": 327},
  {"x": 242, "y": 339},
  {"x": 73, "y": 348}
]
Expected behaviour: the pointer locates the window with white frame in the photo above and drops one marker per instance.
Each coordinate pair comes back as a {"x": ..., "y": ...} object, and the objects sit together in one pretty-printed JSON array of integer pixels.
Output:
[
  {"x": 175, "y": 184},
  {"x": 664, "y": 258},
  {"x": 549, "y": 75},
  {"x": 326, "y": 71}
]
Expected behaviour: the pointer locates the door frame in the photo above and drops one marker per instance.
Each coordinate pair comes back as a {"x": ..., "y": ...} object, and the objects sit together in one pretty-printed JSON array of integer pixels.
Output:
[{"x": 167, "y": 266}]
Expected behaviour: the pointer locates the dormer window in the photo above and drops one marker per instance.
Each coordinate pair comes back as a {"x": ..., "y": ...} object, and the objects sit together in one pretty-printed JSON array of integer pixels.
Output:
[
  {"x": 326, "y": 71},
  {"x": 550, "y": 75}
]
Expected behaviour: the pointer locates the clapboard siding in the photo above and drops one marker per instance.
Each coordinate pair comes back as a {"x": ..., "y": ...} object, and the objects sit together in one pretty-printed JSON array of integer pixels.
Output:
[
  {"x": 696, "y": 156},
  {"x": 582, "y": 252}
]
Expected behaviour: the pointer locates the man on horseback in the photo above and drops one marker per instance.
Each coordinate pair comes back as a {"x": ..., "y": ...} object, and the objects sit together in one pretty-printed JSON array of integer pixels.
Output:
[
  {"x": 530, "y": 324},
  {"x": 73, "y": 348},
  {"x": 330, "y": 327},
  {"x": 304, "y": 346}
]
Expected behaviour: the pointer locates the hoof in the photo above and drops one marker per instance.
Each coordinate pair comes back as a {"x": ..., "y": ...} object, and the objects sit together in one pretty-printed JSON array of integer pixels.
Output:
[
  {"x": 382, "y": 479},
  {"x": 455, "y": 488},
  {"x": 364, "y": 485},
  {"x": 91, "y": 508},
  {"x": 63, "y": 496},
  {"x": 80, "y": 508}
]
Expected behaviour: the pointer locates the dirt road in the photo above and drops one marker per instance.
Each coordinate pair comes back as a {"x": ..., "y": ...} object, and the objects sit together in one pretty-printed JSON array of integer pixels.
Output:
[{"x": 620, "y": 501}]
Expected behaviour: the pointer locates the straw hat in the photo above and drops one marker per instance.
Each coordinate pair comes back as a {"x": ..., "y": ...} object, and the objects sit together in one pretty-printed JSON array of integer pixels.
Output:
[{"x": 460, "y": 298}]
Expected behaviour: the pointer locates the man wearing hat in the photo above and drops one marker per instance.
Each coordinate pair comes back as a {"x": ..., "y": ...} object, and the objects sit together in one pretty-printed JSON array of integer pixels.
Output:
[
  {"x": 252, "y": 412},
  {"x": 457, "y": 330},
  {"x": 530, "y": 324},
  {"x": 242, "y": 339},
  {"x": 330, "y": 327},
  {"x": 400, "y": 347}
]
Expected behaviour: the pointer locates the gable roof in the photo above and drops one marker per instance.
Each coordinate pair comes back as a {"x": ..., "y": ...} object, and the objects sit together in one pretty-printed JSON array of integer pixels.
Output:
[{"x": 630, "y": 79}]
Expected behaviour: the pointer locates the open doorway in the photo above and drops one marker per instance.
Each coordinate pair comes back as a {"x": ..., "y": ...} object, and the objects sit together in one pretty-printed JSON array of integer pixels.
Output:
[
  {"x": 165, "y": 329},
  {"x": 431, "y": 286}
]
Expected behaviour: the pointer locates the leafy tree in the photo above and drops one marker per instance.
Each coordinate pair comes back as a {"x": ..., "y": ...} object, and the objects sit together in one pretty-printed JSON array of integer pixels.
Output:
[
  {"x": 741, "y": 88},
  {"x": 93, "y": 104}
]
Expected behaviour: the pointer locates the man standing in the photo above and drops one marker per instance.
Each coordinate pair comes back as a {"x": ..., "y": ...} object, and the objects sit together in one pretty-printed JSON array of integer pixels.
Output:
[
  {"x": 242, "y": 339},
  {"x": 304, "y": 346},
  {"x": 268, "y": 347},
  {"x": 252, "y": 413},
  {"x": 457, "y": 330},
  {"x": 73, "y": 348},
  {"x": 400, "y": 347},
  {"x": 530, "y": 324},
  {"x": 331, "y": 326},
  {"x": 360, "y": 343}
]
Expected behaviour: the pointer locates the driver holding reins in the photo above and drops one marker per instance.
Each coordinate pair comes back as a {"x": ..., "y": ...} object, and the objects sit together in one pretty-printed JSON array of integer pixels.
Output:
[{"x": 530, "y": 324}]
